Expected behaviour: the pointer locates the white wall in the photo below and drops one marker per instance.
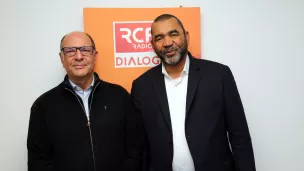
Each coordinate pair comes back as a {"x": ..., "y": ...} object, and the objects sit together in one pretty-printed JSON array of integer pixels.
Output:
[{"x": 261, "y": 40}]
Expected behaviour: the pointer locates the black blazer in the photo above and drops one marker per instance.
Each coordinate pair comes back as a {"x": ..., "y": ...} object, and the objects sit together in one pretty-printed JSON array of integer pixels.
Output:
[{"x": 214, "y": 117}]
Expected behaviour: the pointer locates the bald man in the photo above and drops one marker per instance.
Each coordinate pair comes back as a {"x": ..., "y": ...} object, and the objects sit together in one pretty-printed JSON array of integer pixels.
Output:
[{"x": 84, "y": 123}]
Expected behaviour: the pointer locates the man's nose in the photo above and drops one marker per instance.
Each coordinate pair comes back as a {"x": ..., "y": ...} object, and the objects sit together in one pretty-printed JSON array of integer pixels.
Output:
[
  {"x": 78, "y": 54},
  {"x": 167, "y": 41}
]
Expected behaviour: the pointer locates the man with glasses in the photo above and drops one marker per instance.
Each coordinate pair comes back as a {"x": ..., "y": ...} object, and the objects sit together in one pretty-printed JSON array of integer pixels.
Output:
[{"x": 85, "y": 123}]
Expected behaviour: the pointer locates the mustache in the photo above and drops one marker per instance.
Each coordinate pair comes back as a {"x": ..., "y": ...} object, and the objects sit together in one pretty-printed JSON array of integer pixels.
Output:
[{"x": 169, "y": 49}]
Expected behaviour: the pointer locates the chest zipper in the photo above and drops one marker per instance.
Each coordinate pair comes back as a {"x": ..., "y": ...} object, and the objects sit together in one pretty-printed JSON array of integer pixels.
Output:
[{"x": 89, "y": 123}]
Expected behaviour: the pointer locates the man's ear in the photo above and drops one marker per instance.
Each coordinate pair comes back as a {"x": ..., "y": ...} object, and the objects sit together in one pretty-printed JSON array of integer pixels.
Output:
[
  {"x": 187, "y": 35},
  {"x": 61, "y": 57},
  {"x": 95, "y": 56},
  {"x": 152, "y": 43}
]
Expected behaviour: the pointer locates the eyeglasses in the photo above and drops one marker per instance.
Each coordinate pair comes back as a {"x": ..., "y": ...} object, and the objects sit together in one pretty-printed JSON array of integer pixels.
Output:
[{"x": 84, "y": 50}]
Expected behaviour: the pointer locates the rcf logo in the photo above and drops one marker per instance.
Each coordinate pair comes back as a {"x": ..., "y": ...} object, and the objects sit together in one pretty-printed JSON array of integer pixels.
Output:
[{"x": 132, "y": 45}]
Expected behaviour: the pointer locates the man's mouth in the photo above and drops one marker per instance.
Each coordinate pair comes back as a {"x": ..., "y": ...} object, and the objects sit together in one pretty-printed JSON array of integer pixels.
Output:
[
  {"x": 170, "y": 53},
  {"x": 79, "y": 66}
]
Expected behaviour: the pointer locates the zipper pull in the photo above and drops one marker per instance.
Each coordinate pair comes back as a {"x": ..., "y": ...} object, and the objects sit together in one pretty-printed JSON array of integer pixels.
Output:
[{"x": 89, "y": 124}]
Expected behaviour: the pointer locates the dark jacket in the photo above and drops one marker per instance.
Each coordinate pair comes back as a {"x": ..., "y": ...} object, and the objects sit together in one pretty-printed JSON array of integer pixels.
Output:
[
  {"x": 60, "y": 138},
  {"x": 213, "y": 110}
]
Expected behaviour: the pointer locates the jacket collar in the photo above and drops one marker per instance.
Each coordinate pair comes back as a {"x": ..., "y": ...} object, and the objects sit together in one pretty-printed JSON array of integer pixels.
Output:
[{"x": 66, "y": 83}]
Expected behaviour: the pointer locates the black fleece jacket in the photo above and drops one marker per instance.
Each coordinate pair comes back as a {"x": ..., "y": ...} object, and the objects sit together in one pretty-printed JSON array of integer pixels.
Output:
[{"x": 60, "y": 138}]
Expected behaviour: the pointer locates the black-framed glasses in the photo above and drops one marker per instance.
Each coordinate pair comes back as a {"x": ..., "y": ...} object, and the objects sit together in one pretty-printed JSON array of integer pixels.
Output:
[{"x": 84, "y": 50}]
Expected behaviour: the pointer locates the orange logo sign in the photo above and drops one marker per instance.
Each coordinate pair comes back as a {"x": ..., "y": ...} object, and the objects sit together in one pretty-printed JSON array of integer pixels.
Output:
[
  {"x": 132, "y": 47},
  {"x": 123, "y": 35}
]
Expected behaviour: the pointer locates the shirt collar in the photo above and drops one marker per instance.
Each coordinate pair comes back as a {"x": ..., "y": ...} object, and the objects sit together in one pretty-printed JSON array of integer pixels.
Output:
[
  {"x": 76, "y": 87},
  {"x": 185, "y": 70}
]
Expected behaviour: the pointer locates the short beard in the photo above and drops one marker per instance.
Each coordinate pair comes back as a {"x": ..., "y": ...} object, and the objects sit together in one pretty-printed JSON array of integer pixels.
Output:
[{"x": 175, "y": 60}]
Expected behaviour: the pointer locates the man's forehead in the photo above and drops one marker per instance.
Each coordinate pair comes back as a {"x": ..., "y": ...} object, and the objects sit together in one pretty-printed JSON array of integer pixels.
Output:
[
  {"x": 76, "y": 37},
  {"x": 165, "y": 25}
]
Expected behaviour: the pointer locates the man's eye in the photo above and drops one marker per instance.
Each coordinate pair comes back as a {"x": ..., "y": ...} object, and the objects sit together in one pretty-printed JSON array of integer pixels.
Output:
[{"x": 158, "y": 39}]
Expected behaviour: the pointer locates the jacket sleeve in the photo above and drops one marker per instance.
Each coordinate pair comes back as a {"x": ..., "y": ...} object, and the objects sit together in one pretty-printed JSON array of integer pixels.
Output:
[
  {"x": 144, "y": 165},
  {"x": 237, "y": 127},
  {"x": 38, "y": 143},
  {"x": 133, "y": 137}
]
